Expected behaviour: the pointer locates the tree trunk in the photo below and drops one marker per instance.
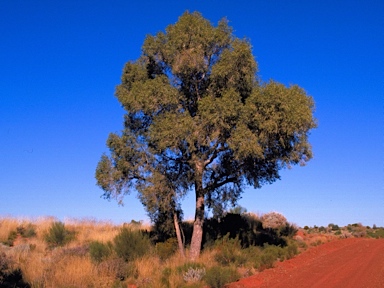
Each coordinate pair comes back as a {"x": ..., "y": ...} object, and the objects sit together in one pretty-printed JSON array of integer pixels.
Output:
[
  {"x": 197, "y": 234},
  {"x": 178, "y": 235}
]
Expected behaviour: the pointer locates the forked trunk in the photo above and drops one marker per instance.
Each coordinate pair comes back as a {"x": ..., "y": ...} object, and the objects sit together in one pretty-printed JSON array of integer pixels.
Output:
[{"x": 178, "y": 235}]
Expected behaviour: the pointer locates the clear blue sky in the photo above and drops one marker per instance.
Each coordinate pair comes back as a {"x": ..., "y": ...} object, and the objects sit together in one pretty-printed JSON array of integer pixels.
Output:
[{"x": 60, "y": 62}]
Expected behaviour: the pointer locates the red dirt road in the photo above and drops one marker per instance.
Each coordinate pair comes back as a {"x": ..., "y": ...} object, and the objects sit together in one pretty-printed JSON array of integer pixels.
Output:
[{"x": 354, "y": 263}]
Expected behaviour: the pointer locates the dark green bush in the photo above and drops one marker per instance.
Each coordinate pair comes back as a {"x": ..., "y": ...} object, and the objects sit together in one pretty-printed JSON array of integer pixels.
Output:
[
  {"x": 217, "y": 277},
  {"x": 131, "y": 244},
  {"x": 99, "y": 251},
  {"x": 58, "y": 235},
  {"x": 166, "y": 249}
]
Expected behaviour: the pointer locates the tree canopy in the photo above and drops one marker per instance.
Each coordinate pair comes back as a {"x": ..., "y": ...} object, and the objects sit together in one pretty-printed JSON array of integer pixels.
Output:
[{"x": 198, "y": 119}]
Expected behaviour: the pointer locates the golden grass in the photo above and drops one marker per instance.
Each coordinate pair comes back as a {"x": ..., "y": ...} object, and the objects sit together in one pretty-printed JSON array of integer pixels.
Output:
[
  {"x": 71, "y": 265},
  {"x": 44, "y": 267}
]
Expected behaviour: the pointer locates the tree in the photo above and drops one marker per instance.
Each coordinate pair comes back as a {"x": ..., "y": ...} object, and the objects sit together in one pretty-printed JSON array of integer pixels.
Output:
[{"x": 199, "y": 119}]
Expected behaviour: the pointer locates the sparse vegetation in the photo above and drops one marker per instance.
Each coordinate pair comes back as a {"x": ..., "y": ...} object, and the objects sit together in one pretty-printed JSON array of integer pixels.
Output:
[
  {"x": 106, "y": 255},
  {"x": 99, "y": 251},
  {"x": 131, "y": 244},
  {"x": 58, "y": 235},
  {"x": 217, "y": 276}
]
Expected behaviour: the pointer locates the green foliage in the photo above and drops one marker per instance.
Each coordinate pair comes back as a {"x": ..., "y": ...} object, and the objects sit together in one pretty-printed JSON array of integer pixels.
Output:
[
  {"x": 58, "y": 235},
  {"x": 27, "y": 231},
  {"x": 166, "y": 249},
  {"x": 217, "y": 277},
  {"x": 253, "y": 256},
  {"x": 229, "y": 251},
  {"x": 269, "y": 256},
  {"x": 12, "y": 235},
  {"x": 376, "y": 233},
  {"x": 271, "y": 253},
  {"x": 322, "y": 229},
  {"x": 99, "y": 251},
  {"x": 333, "y": 227},
  {"x": 197, "y": 116},
  {"x": 131, "y": 244}
]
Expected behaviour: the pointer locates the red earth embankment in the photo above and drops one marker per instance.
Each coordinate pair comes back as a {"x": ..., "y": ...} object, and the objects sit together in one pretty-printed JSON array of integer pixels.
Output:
[{"x": 354, "y": 262}]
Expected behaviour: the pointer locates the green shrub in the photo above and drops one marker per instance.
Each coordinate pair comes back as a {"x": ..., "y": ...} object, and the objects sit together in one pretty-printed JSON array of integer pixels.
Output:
[
  {"x": 267, "y": 260},
  {"x": 253, "y": 256},
  {"x": 166, "y": 249},
  {"x": 217, "y": 277},
  {"x": 290, "y": 250},
  {"x": 99, "y": 251},
  {"x": 58, "y": 235},
  {"x": 27, "y": 231},
  {"x": 131, "y": 244},
  {"x": 331, "y": 226},
  {"x": 322, "y": 229},
  {"x": 12, "y": 235},
  {"x": 270, "y": 255},
  {"x": 376, "y": 233},
  {"x": 379, "y": 233},
  {"x": 229, "y": 251}
]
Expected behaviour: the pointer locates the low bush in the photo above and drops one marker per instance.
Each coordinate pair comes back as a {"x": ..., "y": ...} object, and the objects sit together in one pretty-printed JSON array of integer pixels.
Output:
[
  {"x": 217, "y": 277},
  {"x": 131, "y": 244},
  {"x": 228, "y": 251},
  {"x": 27, "y": 231},
  {"x": 194, "y": 274},
  {"x": 376, "y": 233},
  {"x": 12, "y": 235},
  {"x": 269, "y": 255},
  {"x": 166, "y": 249},
  {"x": 99, "y": 251},
  {"x": 116, "y": 268},
  {"x": 58, "y": 235}
]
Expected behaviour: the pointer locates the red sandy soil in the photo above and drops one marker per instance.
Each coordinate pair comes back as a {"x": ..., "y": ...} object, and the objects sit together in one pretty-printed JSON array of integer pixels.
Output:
[{"x": 353, "y": 262}]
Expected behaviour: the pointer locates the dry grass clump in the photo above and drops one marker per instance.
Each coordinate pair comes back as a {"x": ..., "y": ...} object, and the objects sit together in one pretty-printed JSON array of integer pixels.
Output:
[{"x": 91, "y": 230}]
